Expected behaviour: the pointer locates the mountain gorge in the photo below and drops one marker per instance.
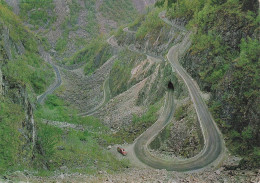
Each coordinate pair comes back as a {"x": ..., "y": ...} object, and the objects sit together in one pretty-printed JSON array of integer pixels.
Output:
[{"x": 171, "y": 82}]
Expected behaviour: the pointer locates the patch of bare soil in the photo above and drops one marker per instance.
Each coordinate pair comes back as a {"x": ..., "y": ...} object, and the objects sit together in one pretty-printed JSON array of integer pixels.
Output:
[
  {"x": 119, "y": 110},
  {"x": 15, "y": 5},
  {"x": 61, "y": 10},
  {"x": 147, "y": 175},
  {"x": 63, "y": 125},
  {"x": 85, "y": 92},
  {"x": 80, "y": 32},
  {"x": 102, "y": 21},
  {"x": 140, "y": 5}
]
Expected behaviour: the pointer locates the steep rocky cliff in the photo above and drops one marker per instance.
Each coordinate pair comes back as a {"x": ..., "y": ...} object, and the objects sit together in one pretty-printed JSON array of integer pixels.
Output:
[{"x": 19, "y": 74}]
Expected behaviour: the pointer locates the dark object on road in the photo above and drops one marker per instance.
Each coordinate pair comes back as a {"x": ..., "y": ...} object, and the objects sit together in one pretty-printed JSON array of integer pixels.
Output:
[
  {"x": 170, "y": 85},
  {"x": 122, "y": 151}
]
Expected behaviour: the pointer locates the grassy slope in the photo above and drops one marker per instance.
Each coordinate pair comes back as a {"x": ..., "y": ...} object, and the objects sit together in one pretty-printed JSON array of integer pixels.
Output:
[
  {"x": 10, "y": 144},
  {"x": 80, "y": 151},
  {"x": 38, "y": 13},
  {"x": 120, "y": 74},
  {"x": 27, "y": 68},
  {"x": 94, "y": 54}
]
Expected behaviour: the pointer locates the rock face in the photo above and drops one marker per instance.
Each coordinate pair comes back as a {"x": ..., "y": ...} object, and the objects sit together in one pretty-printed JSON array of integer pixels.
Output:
[
  {"x": 1, "y": 82},
  {"x": 13, "y": 91},
  {"x": 7, "y": 42},
  {"x": 17, "y": 94}
]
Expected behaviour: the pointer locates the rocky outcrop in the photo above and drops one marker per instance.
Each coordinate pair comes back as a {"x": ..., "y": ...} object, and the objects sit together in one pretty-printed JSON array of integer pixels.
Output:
[
  {"x": 1, "y": 82},
  {"x": 17, "y": 93},
  {"x": 7, "y": 44}
]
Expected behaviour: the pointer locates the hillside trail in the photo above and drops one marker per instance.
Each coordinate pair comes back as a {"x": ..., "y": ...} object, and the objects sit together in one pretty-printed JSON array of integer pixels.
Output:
[
  {"x": 106, "y": 95},
  {"x": 47, "y": 58},
  {"x": 214, "y": 149}
]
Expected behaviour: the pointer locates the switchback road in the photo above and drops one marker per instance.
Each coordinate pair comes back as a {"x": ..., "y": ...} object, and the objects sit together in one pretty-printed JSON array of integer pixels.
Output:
[{"x": 214, "y": 147}]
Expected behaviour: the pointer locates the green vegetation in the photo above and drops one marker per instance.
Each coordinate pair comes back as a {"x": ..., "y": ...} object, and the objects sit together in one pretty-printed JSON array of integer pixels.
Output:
[
  {"x": 55, "y": 109},
  {"x": 225, "y": 40},
  {"x": 77, "y": 150},
  {"x": 71, "y": 24},
  {"x": 139, "y": 124},
  {"x": 74, "y": 12},
  {"x": 61, "y": 44},
  {"x": 163, "y": 136},
  {"x": 10, "y": 144},
  {"x": 154, "y": 92},
  {"x": 20, "y": 69},
  {"x": 25, "y": 74},
  {"x": 27, "y": 68},
  {"x": 121, "y": 71},
  {"x": 38, "y": 12},
  {"x": 121, "y": 11},
  {"x": 92, "y": 27},
  {"x": 94, "y": 54},
  {"x": 152, "y": 24},
  {"x": 80, "y": 151},
  {"x": 136, "y": 23},
  {"x": 181, "y": 112}
]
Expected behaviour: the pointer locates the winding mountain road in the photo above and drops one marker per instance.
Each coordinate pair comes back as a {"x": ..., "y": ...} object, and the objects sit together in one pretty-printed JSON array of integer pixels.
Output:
[
  {"x": 214, "y": 147},
  {"x": 106, "y": 89},
  {"x": 107, "y": 94},
  {"x": 47, "y": 57}
]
